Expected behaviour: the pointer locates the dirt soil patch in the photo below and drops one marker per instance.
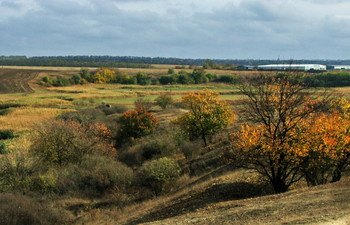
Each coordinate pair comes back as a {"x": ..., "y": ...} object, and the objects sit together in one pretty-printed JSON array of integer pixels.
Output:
[{"x": 16, "y": 81}]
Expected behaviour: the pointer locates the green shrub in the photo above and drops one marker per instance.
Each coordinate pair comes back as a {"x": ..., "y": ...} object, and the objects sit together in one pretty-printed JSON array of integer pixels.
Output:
[
  {"x": 157, "y": 147},
  {"x": 62, "y": 142},
  {"x": 2, "y": 148},
  {"x": 10, "y": 105},
  {"x": 4, "y": 112},
  {"x": 6, "y": 134},
  {"x": 18, "y": 209},
  {"x": 46, "y": 182},
  {"x": 230, "y": 79},
  {"x": 164, "y": 100},
  {"x": 159, "y": 172},
  {"x": 96, "y": 175}
]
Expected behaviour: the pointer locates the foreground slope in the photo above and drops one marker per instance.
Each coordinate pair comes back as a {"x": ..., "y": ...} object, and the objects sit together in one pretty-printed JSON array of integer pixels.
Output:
[{"x": 325, "y": 204}]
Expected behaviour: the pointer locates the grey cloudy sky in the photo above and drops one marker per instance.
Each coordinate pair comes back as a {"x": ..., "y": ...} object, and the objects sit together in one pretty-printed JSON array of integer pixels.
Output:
[{"x": 235, "y": 29}]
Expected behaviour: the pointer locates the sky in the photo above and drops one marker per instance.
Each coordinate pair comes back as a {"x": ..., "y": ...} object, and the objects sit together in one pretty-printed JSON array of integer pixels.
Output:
[{"x": 215, "y": 29}]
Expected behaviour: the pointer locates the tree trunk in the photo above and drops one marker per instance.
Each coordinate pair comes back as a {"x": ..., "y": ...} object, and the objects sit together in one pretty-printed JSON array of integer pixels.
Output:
[{"x": 279, "y": 186}]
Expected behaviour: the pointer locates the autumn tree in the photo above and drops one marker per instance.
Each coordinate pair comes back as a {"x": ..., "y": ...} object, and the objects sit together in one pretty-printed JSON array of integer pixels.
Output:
[
  {"x": 323, "y": 147},
  {"x": 275, "y": 107},
  {"x": 206, "y": 115},
  {"x": 103, "y": 76},
  {"x": 137, "y": 123}
]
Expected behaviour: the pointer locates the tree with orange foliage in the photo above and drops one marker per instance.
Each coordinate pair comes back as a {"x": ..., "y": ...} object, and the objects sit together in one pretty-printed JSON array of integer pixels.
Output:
[
  {"x": 277, "y": 107},
  {"x": 206, "y": 115},
  {"x": 137, "y": 123},
  {"x": 323, "y": 148}
]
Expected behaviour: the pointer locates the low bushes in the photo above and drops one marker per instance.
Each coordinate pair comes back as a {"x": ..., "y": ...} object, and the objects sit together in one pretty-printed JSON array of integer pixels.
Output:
[
  {"x": 17, "y": 209},
  {"x": 6, "y": 134},
  {"x": 95, "y": 176}
]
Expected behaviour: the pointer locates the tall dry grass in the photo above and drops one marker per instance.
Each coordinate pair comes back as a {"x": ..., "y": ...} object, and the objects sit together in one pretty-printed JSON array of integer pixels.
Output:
[{"x": 24, "y": 118}]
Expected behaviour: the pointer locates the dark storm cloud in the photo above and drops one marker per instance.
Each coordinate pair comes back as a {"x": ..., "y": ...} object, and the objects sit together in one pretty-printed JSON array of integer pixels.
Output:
[{"x": 180, "y": 28}]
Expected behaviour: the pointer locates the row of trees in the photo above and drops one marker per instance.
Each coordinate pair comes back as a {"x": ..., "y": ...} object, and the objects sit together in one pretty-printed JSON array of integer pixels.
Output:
[
  {"x": 104, "y": 75},
  {"x": 132, "y": 61}
]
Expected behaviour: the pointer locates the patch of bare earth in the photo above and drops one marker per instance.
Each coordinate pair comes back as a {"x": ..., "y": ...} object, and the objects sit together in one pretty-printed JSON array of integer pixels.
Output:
[{"x": 16, "y": 81}]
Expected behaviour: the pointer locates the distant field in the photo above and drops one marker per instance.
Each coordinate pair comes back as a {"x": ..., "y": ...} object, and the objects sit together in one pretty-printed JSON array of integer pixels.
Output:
[
  {"x": 20, "y": 86},
  {"x": 16, "y": 81},
  {"x": 157, "y": 70}
]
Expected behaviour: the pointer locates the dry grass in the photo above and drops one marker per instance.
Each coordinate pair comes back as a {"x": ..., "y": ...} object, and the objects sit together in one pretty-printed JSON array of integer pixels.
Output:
[
  {"x": 327, "y": 204},
  {"x": 25, "y": 117}
]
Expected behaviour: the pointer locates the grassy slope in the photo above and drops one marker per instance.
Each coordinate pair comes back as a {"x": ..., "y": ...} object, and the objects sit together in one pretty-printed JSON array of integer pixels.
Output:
[{"x": 327, "y": 204}]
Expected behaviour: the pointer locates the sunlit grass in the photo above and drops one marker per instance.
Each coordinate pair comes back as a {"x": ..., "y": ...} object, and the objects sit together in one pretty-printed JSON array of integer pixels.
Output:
[{"x": 25, "y": 118}]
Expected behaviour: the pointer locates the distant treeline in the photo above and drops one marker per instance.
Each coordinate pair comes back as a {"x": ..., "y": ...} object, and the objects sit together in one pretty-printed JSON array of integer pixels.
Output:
[
  {"x": 71, "y": 61},
  {"x": 197, "y": 76},
  {"x": 326, "y": 79},
  {"x": 143, "y": 62}
]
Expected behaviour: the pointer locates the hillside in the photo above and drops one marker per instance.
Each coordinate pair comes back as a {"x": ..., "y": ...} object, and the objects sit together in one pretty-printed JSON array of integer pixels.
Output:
[{"x": 326, "y": 204}]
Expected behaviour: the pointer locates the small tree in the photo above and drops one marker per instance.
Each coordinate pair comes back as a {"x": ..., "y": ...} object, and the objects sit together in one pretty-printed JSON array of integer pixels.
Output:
[
  {"x": 157, "y": 173},
  {"x": 61, "y": 142},
  {"x": 137, "y": 123},
  {"x": 206, "y": 115}
]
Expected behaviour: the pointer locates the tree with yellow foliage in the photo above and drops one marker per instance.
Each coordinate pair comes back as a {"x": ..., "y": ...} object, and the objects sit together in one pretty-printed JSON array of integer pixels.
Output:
[
  {"x": 206, "y": 115},
  {"x": 103, "y": 76}
]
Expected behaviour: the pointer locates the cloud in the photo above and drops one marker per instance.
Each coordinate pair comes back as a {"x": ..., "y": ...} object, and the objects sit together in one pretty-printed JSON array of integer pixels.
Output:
[{"x": 179, "y": 28}]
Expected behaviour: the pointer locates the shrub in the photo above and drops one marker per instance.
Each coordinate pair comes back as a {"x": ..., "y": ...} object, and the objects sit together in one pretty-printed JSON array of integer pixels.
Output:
[
  {"x": 167, "y": 79},
  {"x": 6, "y": 134},
  {"x": 61, "y": 142},
  {"x": 230, "y": 79},
  {"x": 96, "y": 175},
  {"x": 142, "y": 104},
  {"x": 17, "y": 209},
  {"x": 156, "y": 148},
  {"x": 2, "y": 148},
  {"x": 83, "y": 116},
  {"x": 143, "y": 78},
  {"x": 164, "y": 100},
  {"x": 16, "y": 171},
  {"x": 159, "y": 172},
  {"x": 4, "y": 112}
]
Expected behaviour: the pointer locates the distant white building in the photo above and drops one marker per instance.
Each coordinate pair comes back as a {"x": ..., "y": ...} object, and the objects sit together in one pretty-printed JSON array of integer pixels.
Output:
[
  {"x": 293, "y": 67},
  {"x": 341, "y": 67}
]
